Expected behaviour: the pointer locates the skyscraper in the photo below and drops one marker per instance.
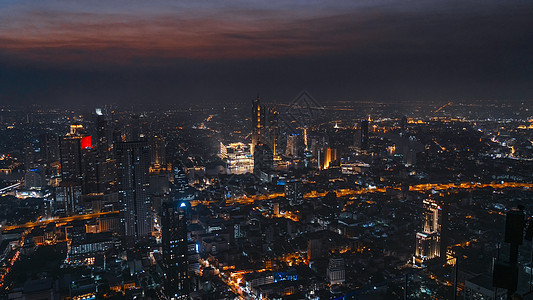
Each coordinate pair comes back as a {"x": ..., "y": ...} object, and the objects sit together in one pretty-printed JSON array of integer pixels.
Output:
[
  {"x": 49, "y": 144},
  {"x": 271, "y": 129},
  {"x": 428, "y": 242},
  {"x": 104, "y": 130},
  {"x": 99, "y": 172},
  {"x": 257, "y": 122},
  {"x": 263, "y": 158},
  {"x": 364, "y": 135},
  {"x": 71, "y": 153},
  {"x": 403, "y": 124},
  {"x": 133, "y": 162},
  {"x": 327, "y": 158},
  {"x": 158, "y": 154},
  {"x": 175, "y": 250},
  {"x": 292, "y": 145}
]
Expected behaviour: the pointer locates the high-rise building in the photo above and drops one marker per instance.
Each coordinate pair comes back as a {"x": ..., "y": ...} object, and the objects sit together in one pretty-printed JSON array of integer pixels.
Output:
[
  {"x": 99, "y": 172},
  {"x": 104, "y": 130},
  {"x": 336, "y": 272},
  {"x": 68, "y": 198},
  {"x": 292, "y": 145},
  {"x": 294, "y": 192},
  {"x": 71, "y": 164},
  {"x": 49, "y": 144},
  {"x": 428, "y": 241},
  {"x": 263, "y": 158},
  {"x": 271, "y": 129},
  {"x": 134, "y": 128},
  {"x": 237, "y": 157},
  {"x": 34, "y": 179},
  {"x": 403, "y": 124},
  {"x": 364, "y": 135},
  {"x": 432, "y": 217},
  {"x": 257, "y": 122},
  {"x": 175, "y": 249},
  {"x": 71, "y": 154},
  {"x": 315, "y": 249},
  {"x": 133, "y": 162},
  {"x": 158, "y": 154},
  {"x": 327, "y": 158}
]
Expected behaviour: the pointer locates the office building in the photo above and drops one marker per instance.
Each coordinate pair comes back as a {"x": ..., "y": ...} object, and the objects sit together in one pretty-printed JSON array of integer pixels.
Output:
[
  {"x": 133, "y": 162},
  {"x": 49, "y": 145},
  {"x": 68, "y": 198},
  {"x": 292, "y": 145},
  {"x": 104, "y": 129},
  {"x": 175, "y": 249},
  {"x": 428, "y": 241},
  {"x": 364, "y": 135},
  {"x": 336, "y": 272},
  {"x": 257, "y": 122},
  {"x": 263, "y": 158},
  {"x": 158, "y": 154},
  {"x": 327, "y": 158},
  {"x": 271, "y": 130},
  {"x": 238, "y": 158},
  {"x": 71, "y": 158}
]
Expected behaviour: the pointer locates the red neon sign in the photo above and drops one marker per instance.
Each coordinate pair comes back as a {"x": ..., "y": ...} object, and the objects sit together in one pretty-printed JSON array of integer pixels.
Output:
[{"x": 86, "y": 142}]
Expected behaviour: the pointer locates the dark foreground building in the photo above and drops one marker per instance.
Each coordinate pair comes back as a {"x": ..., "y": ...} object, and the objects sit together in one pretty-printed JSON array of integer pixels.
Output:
[{"x": 175, "y": 259}]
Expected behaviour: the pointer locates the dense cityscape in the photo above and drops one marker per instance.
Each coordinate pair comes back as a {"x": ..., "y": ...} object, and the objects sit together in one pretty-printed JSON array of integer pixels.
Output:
[
  {"x": 264, "y": 199},
  {"x": 266, "y": 150}
]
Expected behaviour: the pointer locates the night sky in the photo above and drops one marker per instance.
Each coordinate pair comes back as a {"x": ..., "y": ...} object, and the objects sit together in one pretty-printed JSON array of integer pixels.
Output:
[{"x": 64, "y": 51}]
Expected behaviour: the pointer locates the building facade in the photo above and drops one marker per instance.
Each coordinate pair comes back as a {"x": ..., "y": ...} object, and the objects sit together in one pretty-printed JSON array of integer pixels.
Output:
[{"x": 133, "y": 162}]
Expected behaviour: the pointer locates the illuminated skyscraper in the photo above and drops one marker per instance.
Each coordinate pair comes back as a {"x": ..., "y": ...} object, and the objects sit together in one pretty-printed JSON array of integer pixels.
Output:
[
  {"x": 428, "y": 242},
  {"x": 292, "y": 145},
  {"x": 72, "y": 149},
  {"x": 271, "y": 130},
  {"x": 432, "y": 217},
  {"x": 175, "y": 250},
  {"x": 237, "y": 157},
  {"x": 133, "y": 162},
  {"x": 158, "y": 154},
  {"x": 327, "y": 157},
  {"x": 257, "y": 122}
]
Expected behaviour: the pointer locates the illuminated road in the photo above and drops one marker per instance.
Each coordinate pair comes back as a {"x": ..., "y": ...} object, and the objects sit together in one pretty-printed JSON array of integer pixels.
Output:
[
  {"x": 9, "y": 188},
  {"x": 57, "y": 220},
  {"x": 416, "y": 188}
]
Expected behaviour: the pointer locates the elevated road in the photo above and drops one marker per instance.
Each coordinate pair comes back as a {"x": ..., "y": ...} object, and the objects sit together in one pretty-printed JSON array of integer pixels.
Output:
[
  {"x": 416, "y": 188},
  {"x": 57, "y": 220},
  {"x": 9, "y": 188}
]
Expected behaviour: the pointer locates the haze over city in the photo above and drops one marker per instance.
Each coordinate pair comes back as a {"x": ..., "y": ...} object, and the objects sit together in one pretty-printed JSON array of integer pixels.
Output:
[{"x": 57, "y": 51}]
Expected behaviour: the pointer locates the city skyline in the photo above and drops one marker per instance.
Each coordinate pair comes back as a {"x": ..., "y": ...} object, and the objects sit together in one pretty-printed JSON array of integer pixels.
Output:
[
  {"x": 331, "y": 202},
  {"x": 280, "y": 150}
]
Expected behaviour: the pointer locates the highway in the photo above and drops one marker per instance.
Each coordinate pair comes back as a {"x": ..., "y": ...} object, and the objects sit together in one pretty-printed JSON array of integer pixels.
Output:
[
  {"x": 9, "y": 188},
  {"x": 57, "y": 220},
  {"x": 310, "y": 195},
  {"x": 417, "y": 188}
]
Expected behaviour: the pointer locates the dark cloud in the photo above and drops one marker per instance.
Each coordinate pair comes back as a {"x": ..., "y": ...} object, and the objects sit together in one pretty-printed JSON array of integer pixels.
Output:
[{"x": 393, "y": 50}]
